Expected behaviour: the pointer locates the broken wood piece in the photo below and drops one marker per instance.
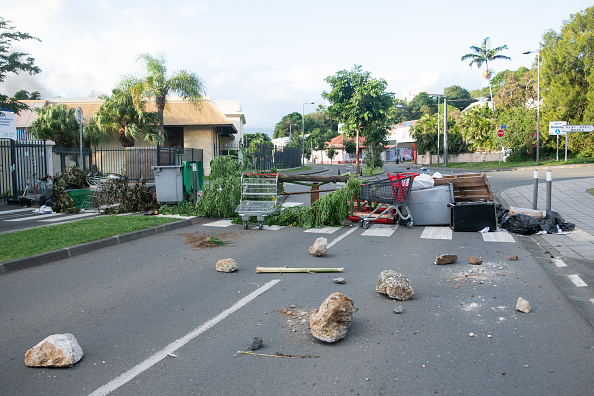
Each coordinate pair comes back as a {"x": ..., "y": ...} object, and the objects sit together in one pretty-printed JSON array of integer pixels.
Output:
[{"x": 295, "y": 270}]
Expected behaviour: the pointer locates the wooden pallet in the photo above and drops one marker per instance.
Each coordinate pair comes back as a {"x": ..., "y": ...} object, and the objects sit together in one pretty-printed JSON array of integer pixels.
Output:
[{"x": 470, "y": 187}]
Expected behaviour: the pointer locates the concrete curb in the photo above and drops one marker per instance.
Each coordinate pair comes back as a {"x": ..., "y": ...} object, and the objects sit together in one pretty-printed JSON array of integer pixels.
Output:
[{"x": 72, "y": 251}]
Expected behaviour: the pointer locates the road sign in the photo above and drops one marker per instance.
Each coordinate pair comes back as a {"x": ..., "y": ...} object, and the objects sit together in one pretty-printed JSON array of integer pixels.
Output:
[
  {"x": 500, "y": 133},
  {"x": 578, "y": 128},
  {"x": 556, "y": 128},
  {"x": 78, "y": 114}
]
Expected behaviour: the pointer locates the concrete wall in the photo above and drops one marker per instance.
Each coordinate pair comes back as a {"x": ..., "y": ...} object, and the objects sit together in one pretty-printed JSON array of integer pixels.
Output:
[{"x": 466, "y": 157}]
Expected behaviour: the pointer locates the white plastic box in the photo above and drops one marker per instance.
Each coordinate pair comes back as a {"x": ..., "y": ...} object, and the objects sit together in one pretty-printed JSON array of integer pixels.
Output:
[{"x": 430, "y": 206}]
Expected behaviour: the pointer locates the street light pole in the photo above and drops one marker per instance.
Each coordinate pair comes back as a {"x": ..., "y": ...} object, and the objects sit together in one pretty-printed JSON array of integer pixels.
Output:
[
  {"x": 303, "y": 132},
  {"x": 290, "y": 132},
  {"x": 537, "y": 104}
]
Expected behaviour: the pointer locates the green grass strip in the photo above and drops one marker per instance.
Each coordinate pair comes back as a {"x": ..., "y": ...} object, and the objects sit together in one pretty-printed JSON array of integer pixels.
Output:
[{"x": 44, "y": 239}]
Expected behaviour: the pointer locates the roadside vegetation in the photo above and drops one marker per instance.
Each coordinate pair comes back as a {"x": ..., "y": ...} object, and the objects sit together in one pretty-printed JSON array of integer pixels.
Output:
[{"x": 44, "y": 239}]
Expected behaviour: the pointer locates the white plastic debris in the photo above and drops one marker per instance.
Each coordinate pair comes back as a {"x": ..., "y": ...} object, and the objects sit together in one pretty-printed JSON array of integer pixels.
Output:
[{"x": 484, "y": 230}]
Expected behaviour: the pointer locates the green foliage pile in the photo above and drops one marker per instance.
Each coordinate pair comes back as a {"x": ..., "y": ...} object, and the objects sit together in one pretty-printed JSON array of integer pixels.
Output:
[
  {"x": 330, "y": 210},
  {"x": 222, "y": 194},
  {"x": 63, "y": 203},
  {"x": 117, "y": 196}
]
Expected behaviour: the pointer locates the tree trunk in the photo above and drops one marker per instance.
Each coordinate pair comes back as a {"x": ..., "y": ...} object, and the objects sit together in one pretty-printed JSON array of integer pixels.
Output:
[
  {"x": 357, "y": 169},
  {"x": 160, "y": 102}
]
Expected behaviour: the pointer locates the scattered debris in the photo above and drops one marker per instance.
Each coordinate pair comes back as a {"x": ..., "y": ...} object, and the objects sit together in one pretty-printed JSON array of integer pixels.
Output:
[
  {"x": 202, "y": 241},
  {"x": 339, "y": 280},
  {"x": 399, "y": 309},
  {"x": 319, "y": 248},
  {"x": 331, "y": 322},
  {"x": 513, "y": 257},
  {"x": 57, "y": 350},
  {"x": 475, "y": 260},
  {"x": 446, "y": 259},
  {"x": 523, "y": 305},
  {"x": 171, "y": 355},
  {"x": 254, "y": 344},
  {"x": 296, "y": 270},
  {"x": 296, "y": 318},
  {"x": 471, "y": 334},
  {"x": 278, "y": 354},
  {"x": 395, "y": 285},
  {"x": 226, "y": 265}
]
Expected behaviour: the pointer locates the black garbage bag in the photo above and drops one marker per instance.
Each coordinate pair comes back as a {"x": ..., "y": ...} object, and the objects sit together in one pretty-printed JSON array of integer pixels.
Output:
[
  {"x": 45, "y": 197},
  {"x": 549, "y": 224},
  {"x": 522, "y": 224},
  {"x": 501, "y": 213}
]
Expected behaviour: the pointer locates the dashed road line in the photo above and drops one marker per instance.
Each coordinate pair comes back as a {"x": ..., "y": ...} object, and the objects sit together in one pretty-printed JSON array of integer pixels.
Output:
[
  {"x": 175, "y": 345},
  {"x": 559, "y": 263},
  {"x": 501, "y": 236},
  {"x": 437, "y": 233},
  {"x": 577, "y": 281}
]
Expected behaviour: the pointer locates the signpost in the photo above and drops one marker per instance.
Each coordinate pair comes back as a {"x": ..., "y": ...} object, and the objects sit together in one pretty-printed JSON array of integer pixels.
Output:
[
  {"x": 500, "y": 134},
  {"x": 7, "y": 125},
  {"x": 79, "y": 118},
  {"x": 557, "y": 128}
]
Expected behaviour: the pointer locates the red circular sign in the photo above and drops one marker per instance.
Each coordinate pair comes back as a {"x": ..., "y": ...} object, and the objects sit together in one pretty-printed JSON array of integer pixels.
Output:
[{"x": 500, "y": 133}]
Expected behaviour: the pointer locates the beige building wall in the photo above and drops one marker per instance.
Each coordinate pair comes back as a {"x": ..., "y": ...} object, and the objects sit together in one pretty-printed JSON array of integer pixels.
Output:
[{"x": 201, "y": 137}]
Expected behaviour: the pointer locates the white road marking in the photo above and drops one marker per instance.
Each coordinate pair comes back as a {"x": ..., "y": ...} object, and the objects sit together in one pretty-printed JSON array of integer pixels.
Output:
[
  {"x": 175, "y": 345},
  {"x": 325, "y": 230},
  {"x": 559, "y": 263},
  {"x": 66, "y": 218},
  {"x": 577, "y": 281},
  {"x": 500, "y": 236},
  {"x": 15, "y": 211},
  {"x": 381, "y": 232},
  {"x": 334, "y": 242},
  {"x": 37, "y": 216},
  {"x": 437, "y": 233},
  {"x": 219, "y": 223},
  {"x": 592, "y": 300}
]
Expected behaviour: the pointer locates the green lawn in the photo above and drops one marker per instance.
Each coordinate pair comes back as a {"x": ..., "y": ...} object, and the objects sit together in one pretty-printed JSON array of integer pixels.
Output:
[
  {"x": 495, "y": 164},
  {"x": 44, "y": 239}
]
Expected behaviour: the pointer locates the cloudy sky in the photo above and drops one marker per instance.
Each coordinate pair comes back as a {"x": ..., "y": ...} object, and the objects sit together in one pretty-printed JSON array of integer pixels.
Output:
[{"x": 273, "y": 56}]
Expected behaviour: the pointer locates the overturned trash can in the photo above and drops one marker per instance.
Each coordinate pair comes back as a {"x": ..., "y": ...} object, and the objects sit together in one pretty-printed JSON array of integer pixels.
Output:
[{"x": 169, "y": 183}]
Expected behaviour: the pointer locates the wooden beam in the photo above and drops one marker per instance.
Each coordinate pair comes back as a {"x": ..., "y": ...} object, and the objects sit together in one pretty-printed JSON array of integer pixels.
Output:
[{"x": 313, "y": 178}]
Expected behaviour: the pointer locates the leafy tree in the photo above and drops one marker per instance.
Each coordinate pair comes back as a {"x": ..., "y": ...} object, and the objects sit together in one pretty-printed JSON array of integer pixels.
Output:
[
  {"x": 14, "y": 61},
  {"x": 484, "y": 54},
  {"x": 57, "y": 123},
  {"x": 520, "y": 134},
  {"x": 156, "y": 85},
  {"x": 422, "y": 104},
  {"x": 401, "y": 112},
  {"x": 118, "y": 114},
  {"x": 284, "y": 128},
  {"x": 457, "y": 93},
  {"x": 253, "y": 139},
  {"x": 359, "y": 101},
  {"x": 515, "y": 88},
  {"x": 349, "y": 146},
  {"x": 478, "y": 126},
  {"x": 567, "y": 80},
  {"x": 425, "y": 133},
  {"x": 331, "y": 152}
]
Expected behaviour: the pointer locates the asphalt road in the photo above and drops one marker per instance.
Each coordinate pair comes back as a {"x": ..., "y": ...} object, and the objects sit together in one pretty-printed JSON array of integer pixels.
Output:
[{"x": 153, "y": 317}]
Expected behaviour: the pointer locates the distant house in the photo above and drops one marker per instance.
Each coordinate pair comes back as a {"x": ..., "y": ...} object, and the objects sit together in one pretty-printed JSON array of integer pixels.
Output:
[
  {"x": 341, "y": 157},
  {"x": 215, "y": 127},
  {"x": 401, "y": 144}
]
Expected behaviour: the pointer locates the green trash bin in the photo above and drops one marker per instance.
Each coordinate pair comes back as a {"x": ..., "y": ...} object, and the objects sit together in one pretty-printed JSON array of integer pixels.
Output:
[{"x": 189, "y": 176}]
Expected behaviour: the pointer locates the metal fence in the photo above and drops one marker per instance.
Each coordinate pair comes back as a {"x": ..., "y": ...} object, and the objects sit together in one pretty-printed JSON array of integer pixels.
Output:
[
  {"x": 24, "y": 164},
  {"x": 265, "y": 156}
]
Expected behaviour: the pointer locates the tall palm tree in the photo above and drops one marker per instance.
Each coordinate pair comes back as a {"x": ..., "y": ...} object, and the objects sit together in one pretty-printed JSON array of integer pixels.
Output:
[
  {"x": 156, "y": 85},
  {"x": 119, "y": 114},
  {"x": 483, "y": 54}
]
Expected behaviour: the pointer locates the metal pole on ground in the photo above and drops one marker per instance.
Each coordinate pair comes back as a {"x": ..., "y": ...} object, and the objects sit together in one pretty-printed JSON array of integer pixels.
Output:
[
  {"x": 535, "y": 191},
  {"x": 549, "y": 188},
  {"x": 195, "y": 182}
]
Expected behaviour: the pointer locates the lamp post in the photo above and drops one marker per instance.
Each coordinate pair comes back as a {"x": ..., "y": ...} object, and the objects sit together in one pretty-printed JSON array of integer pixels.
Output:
[
  {"x": 303, "y": 132},
  {"x": 537, "y": 104},
  {"x": 290, "y": 132}
]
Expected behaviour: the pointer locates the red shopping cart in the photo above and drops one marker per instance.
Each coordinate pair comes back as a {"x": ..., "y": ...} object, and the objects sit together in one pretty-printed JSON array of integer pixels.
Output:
[{"x": 391, "y": 196}]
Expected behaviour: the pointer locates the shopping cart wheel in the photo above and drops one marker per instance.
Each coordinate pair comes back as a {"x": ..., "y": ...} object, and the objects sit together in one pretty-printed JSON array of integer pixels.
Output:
[
  {"x": 245, "y": 225},
  {"x": 410, "y": 223},
  {"x": 260, "y": 225},
  {"x": 366, "y": 224},
  {"x": 360, "y": 223}
]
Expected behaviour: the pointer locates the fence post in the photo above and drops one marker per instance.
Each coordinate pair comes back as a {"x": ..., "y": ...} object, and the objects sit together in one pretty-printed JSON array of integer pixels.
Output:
[
  {"x": 158, "y": 154},
  {"x": 549, "y": 189}
]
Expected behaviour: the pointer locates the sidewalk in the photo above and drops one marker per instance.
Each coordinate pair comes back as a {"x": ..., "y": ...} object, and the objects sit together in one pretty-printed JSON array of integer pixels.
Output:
[{"x": 571, "y": 199}]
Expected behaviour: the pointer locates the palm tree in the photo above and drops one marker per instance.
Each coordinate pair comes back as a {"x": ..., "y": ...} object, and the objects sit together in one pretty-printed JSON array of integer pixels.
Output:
[
  {"x": 119, "y": 114},
  {"x": 483, "y": 54},
  {"x": 156, "y": 86}
]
